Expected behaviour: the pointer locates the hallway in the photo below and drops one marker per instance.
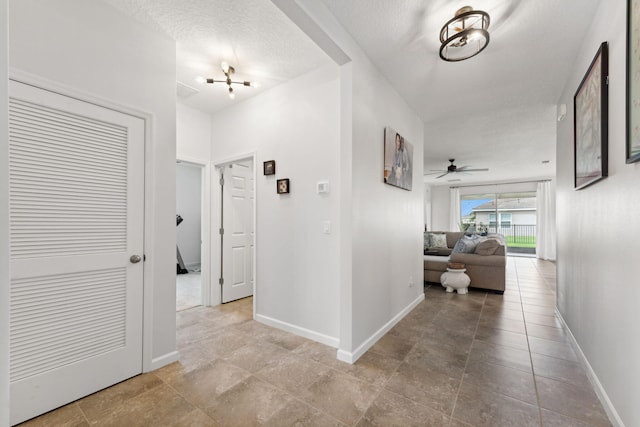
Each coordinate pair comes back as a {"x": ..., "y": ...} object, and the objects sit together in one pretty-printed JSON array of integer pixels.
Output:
[{"x": 456, "y": 360}]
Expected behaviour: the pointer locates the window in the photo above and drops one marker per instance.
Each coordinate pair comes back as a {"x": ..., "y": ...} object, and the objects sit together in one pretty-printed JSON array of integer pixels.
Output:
[
  {"x": 511, "y": 214},
  {"x": 505, "y": 219},
  {"x": 492, "y": 220}
]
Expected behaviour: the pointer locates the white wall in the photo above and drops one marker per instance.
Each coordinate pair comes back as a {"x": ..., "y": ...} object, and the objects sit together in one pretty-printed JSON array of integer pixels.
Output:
[
  {"x": 189, "y": 206},
  {"x": 193, "y": 134},
  {"x": 4, "y": 219},
  {"x": 598, "y": 286},
  {"x": 380, "y": 248},
  {"x": 440, "y": 208},
  {"x": 297, "y": 125},
  {"x": 388, "y": 222},
  {"x": 92, "y": 48}
]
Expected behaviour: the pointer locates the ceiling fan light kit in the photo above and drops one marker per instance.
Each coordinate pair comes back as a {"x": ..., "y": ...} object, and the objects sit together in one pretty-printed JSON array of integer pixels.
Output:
[
  {"x": 228, "y": 70},
  {"x": 465, "y": 35}
]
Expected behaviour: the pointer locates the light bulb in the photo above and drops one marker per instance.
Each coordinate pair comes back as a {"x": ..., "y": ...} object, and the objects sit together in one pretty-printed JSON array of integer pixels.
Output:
[
  {"x": 231, "y": 94},
  {"x": 201, "y": 79},
  {"x": 225, "y": 67},
  {"x": 255, "y": 84}
]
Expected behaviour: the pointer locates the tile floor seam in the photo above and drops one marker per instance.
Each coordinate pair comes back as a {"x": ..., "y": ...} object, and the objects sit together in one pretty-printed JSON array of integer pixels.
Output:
[
  {"x": 466, "y": 364},
  {"x": 304, "y": 402},
  {"x": 560, "y": 380},
  {"x": 186, "y": 399},
  {"x": 383, "y": 387},
  {"x": 320, "y": 411},
  {"x": 298, "y": 399},
  {"x": 533, "y": 371},
  {"x": 82, "y": 412},
  {"x": 176, "y": 390},
  {"x": 431, "y": 408},
  {"x": 557, "y": 358}
]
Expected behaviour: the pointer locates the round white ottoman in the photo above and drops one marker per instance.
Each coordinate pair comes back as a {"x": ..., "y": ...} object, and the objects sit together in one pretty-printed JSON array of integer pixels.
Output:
[{"x": 455, "y": 279}]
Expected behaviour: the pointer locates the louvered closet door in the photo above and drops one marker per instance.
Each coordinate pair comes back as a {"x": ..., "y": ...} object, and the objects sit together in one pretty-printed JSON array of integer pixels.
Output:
[{"x": 76, "y": 218}]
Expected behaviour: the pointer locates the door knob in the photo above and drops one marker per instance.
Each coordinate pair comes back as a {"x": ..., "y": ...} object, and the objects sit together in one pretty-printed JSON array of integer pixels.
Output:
[{"x": 135, "y": 259}]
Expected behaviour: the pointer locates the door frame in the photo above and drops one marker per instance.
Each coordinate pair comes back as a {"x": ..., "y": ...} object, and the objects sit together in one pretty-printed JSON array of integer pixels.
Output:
[
  {"x": 205, "y": 223},
  {"x": 147, "y": 363},
  {"x": 216, "y": 218}
]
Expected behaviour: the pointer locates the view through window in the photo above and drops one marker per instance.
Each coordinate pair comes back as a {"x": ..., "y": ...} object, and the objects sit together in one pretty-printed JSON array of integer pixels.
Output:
[{"x": 511, "y": 214}]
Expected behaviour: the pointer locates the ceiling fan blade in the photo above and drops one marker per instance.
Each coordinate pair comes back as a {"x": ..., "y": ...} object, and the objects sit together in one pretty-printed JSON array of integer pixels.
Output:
[
  {"x": 442, "y": 175},
  {"x": 433, "y": 173},
  {"x": 461, "y": 168},
  {"x": 475, "y": 170}
]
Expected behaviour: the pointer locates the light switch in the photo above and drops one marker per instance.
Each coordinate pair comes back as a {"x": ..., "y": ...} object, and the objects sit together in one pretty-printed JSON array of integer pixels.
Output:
[
  {"x": 323, "y": 187},
  {"x": 326, "y": 227}
]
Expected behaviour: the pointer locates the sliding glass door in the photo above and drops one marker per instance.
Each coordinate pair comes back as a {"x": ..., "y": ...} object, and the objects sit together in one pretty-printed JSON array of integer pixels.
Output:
[{"x": 511, "y": 214}]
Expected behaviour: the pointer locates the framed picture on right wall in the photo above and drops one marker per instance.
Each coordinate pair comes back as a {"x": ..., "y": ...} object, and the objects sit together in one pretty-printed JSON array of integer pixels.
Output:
[
  {"x": 633, "y": 81},
  {"x": 591, "y": 122}
]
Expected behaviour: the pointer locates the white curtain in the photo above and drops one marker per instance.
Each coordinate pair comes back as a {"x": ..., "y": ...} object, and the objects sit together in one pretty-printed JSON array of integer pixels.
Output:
[
  {"x": 454, "y": 210},
  {"x": 545, "y": 222}
]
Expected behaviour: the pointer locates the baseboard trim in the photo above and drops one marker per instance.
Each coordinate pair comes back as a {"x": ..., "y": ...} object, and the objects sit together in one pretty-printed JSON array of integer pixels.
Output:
[
  {"x": 352, "y": 357},
  {"x": 164, "y": 360},
  {"x": 615, "y": 419},
  {"x": 303, "y": 332}
]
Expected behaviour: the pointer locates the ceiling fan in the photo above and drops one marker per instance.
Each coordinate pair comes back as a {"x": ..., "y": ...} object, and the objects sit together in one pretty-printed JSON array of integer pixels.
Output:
[{"x": 454, "y": 169}]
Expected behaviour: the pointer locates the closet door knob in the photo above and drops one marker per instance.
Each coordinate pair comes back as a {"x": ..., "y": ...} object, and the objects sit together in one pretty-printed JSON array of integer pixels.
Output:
[{"x": 135, "y": 259}]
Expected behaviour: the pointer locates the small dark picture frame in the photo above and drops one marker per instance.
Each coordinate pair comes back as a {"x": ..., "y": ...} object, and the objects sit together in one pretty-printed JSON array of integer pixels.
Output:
[
  {"x": 269, "y": 167},
  {"x": 282, "y": 186},
  {"x": 590, "y": 125}
]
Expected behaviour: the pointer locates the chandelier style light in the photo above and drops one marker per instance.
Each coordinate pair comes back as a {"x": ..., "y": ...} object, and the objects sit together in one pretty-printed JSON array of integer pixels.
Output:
[
  {"x": 228, "y": 70},
  {"x": 465, "y": 35}
]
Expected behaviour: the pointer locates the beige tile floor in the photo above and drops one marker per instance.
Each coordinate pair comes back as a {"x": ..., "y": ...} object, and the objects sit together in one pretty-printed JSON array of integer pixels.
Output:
[{"x": 456, "y": 360}]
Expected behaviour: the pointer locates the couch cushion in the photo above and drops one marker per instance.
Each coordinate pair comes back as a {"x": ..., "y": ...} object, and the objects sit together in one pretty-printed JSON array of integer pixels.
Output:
[
  {"x": 435, "y": 263},
  {"x": 438, "y": 251},
  {"x": 466, "y": 245},
  {"x": 487, "y": 247},
  {"x": 437, "y": 240},
  {"x": 453, "y": 237},
  {"x": 479, "y": 260}
]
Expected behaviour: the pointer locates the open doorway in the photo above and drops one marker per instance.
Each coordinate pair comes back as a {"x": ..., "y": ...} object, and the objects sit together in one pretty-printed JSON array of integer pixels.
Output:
[{"x": 189, "y": 219}]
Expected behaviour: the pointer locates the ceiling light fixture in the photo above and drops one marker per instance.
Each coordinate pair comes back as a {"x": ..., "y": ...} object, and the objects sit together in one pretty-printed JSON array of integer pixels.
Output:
[
  {"x": 228, "y": 70},
  {"x": 465, "y": 35}
]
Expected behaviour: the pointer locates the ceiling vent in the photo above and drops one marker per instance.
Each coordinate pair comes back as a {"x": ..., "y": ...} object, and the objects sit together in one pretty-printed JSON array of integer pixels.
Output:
[{"x": 183, "y": 91}]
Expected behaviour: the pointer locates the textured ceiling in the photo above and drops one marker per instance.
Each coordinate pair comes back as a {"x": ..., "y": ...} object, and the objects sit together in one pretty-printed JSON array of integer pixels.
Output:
[
  {"x": 254, "y": 36},
  {"x": 482, "y": 111},
  {"x": 496, "y": 110}
]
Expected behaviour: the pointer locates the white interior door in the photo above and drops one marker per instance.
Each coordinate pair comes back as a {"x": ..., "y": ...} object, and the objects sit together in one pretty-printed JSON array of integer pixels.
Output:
[
  {"x": 237, "y": 236},
  {"x": 76, "y": 219}
]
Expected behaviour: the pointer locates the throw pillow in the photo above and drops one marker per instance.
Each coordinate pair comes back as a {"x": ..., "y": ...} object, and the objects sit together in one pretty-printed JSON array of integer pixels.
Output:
[
  {"x": 438, "y": 240},
  {"x": 466, "y": 245},
  {"x": 487, "y": 247}
]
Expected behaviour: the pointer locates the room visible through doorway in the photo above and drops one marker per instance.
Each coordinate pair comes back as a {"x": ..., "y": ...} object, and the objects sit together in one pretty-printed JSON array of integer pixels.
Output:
[{"x": 189, "y": 235}]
